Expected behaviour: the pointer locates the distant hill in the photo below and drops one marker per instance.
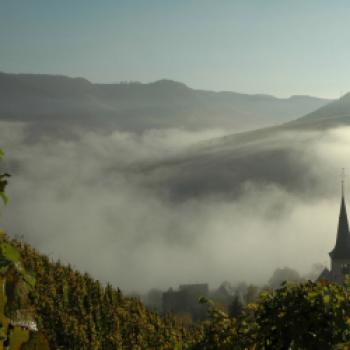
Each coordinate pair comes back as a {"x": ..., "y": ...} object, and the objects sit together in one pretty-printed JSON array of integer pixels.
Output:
[
  {"x": 277, "y": 156},
  {"x": 335, "y": 113},
  {"x": 58, "y": 100}
]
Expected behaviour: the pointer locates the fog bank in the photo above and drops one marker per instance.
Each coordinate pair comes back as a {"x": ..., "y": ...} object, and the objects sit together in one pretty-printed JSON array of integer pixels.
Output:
[{"x": 88, "y": 201}]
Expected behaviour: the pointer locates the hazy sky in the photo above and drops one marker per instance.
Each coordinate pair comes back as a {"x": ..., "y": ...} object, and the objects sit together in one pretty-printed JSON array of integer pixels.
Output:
[{"x": 271, "y": 46}]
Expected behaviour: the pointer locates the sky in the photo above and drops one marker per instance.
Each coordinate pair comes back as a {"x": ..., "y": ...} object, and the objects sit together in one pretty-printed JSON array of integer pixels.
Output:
[{"x": 256, "y": 46}]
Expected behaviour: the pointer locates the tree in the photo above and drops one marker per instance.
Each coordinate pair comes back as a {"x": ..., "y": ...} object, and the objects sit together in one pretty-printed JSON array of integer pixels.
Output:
[
  {"x": 153, "y": 299},
  {"x": 236, "y": 306},
  {"x": 281, "y": 275},
  {"x": 3, "y": 181},
  {"x": 251, "y": 294},
  {"x": 303, "y": 316},
  {"x": 312, "y": 315}
]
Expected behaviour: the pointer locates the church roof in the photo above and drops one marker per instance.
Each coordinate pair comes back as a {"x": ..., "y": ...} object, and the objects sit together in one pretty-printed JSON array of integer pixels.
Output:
[
  {"x": 325, "y": 275},
  {"x": 341, "y": 249}
]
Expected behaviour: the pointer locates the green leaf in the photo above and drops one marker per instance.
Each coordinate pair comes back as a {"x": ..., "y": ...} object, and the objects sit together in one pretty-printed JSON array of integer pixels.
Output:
[
  {"x": 203, "y": 300},
  {"x": 326, "y": 299}
]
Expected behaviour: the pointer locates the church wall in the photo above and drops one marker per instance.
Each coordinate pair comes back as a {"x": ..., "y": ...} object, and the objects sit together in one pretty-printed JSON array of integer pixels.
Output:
[{"x": 338, "y": 267}]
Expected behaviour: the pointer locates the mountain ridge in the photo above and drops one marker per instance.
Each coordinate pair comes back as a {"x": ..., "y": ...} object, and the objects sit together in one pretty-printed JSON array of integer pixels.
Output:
[
  {"x": 160, "y": 82},
  {"x": 57, "y": 99}
]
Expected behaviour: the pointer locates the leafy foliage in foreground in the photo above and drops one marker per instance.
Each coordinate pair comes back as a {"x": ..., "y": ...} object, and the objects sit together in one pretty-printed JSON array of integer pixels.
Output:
[
  {"x": 3, "y": 181},
  {"x": 74, "y": 311},
  {"x": 17, "y": 316},
  {"x": 77, "y": 312},
  {"x": 296, "y": 316}
]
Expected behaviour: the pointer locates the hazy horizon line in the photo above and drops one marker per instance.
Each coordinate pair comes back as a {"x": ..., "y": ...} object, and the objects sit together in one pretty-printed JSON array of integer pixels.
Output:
[{"x": 188, "y": 85}]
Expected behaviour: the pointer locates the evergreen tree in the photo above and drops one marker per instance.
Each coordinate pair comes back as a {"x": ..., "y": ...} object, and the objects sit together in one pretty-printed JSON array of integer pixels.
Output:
[{"x": 236, "y": 306}]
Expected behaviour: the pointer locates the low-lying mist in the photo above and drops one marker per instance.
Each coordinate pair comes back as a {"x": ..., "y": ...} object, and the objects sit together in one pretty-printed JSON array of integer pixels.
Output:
[{"x": 87, "y": 201}]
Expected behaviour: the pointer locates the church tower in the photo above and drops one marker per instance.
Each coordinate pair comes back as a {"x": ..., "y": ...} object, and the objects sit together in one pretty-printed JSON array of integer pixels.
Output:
[{"x": 340, "y": 255}]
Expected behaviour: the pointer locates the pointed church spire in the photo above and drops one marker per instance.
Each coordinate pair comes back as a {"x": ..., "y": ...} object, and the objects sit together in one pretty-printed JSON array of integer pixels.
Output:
[{"x": 342, "y": 245}]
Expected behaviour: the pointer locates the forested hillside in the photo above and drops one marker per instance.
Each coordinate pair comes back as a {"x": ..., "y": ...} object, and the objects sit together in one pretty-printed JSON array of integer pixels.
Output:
[
  {"x": 74, "y": 311},
  {"x": 77, "y": 312}
]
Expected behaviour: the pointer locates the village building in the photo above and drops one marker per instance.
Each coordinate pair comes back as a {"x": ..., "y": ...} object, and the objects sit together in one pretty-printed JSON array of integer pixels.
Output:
[{"x": 340, "y": 254}]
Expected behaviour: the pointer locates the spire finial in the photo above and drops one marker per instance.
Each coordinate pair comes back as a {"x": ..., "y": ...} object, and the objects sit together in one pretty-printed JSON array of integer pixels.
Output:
[{"x": 342, "y": 181}]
